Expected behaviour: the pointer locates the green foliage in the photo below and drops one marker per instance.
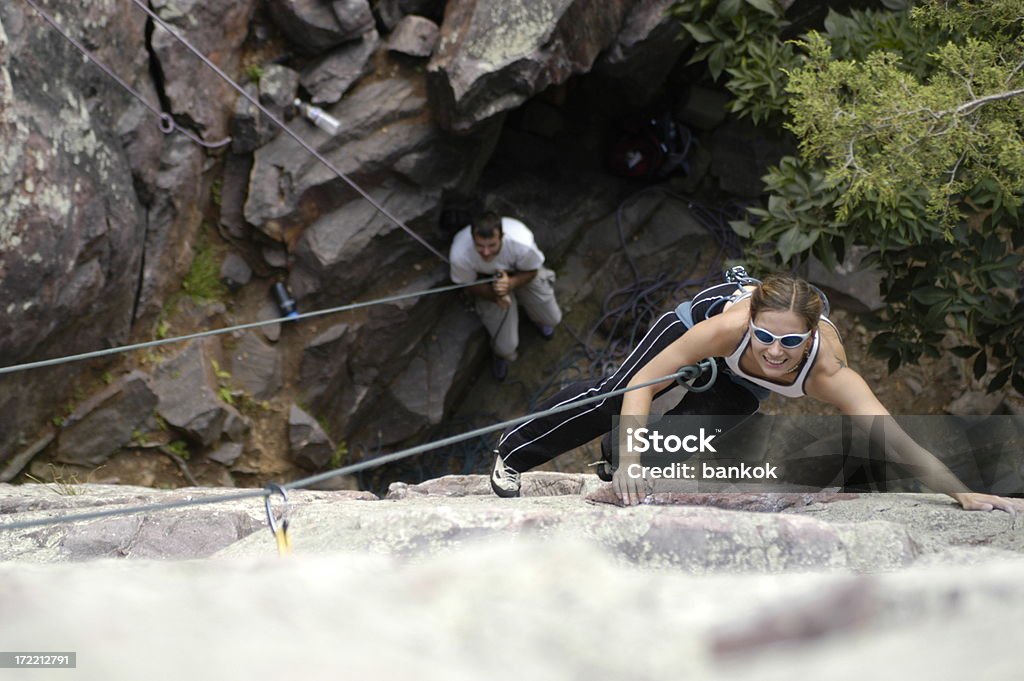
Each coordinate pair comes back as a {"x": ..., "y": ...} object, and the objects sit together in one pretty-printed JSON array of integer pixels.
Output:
[
  {"x": 800, "y": 215},
  {"x": 909, "y": 123},
  {"x": 339, "y": 456},
  {"x": 179, "y": 448},
  {"x": 254, "y": 72},
  {"x": 224, "y": 390},
  {"x": 911, "y": 131},
  {"x": 724, "y": 29},
  {"x": 883, "y": 132},
  {"x": 216, "y": 191},
  {"x": 202, "y": 283},
  {"x": 758, "y": 78}
]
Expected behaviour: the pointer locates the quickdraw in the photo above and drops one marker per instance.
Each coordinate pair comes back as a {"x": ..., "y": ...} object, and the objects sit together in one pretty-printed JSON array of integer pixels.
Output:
[{"x": 279, "y": 528}]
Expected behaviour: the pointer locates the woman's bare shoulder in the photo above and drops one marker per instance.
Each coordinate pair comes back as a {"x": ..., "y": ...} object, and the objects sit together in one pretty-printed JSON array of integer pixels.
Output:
[
  {"x": 831, "y": 353},
  {"x": 725, "y": 331}
]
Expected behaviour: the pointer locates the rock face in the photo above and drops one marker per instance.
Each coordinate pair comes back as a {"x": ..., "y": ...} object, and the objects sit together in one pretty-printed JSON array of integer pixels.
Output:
[
  {"x": 100, "y": 213},
  {"x": 308, "y": 444},
  {"x": 314, "y": 26},
  {"x": 69, "y": 218},
  {"x": 496, "y": 54},
  {"x": 105, "y": 422},
  {"x": 201, "y": 101},
  {"x": 414, "y": 36},
  {"x": 330, "y": 77},
  {"x": 187, "y": 389},
  {"x": 758, "y": 594}
]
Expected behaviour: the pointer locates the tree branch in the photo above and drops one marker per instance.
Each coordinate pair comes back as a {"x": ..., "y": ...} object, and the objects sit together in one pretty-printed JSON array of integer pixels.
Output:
[{"x": 969, "y": 106}]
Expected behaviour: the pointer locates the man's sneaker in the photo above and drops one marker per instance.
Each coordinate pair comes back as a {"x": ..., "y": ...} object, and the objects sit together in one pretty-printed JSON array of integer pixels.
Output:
[
  {"x": 499, "y": 367},
  {"x": 504, "y": 481},
  {"x": 548, "y": 332}
]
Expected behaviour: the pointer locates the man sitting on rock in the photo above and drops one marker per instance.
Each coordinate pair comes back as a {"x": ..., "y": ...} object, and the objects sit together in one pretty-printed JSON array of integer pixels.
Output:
[{"x": 503, "y": 247}]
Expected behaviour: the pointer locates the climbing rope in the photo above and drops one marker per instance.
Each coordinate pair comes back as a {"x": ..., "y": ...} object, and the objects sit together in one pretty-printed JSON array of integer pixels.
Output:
[
  {"x": 168, "y": 124},
  {"x": 237, "y": 327},
  {"x": 688, "y": 372}
]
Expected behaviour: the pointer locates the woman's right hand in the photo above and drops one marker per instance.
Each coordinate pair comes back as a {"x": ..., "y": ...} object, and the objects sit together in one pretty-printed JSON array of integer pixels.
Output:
[{"x": 632, "y": 489}]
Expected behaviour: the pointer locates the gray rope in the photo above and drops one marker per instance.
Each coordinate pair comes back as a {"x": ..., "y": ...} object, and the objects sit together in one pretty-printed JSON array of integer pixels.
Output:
[
  {"x": 167, "y": 123},
  {"x": 687, "y": 372},
  {"x": 255, "y": 102},
  {"x": 229, "y": 329}
]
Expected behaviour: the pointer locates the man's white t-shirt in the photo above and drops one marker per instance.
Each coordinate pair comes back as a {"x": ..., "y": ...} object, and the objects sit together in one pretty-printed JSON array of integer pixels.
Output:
[{"x": 518, "y": 253}]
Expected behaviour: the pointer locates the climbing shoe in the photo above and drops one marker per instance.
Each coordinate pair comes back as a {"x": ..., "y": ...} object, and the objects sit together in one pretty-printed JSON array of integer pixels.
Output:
[{"x": 504, "y": 480}]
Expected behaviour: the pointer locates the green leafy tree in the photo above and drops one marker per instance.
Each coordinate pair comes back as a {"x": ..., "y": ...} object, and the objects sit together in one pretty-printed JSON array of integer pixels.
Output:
[{"x": 911, "y": 131}]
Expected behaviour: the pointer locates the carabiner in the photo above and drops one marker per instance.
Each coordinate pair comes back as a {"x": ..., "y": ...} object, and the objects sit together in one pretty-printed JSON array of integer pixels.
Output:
[
  {"x": 279, "y": 530},
  {"x": 692, "y": 372}
]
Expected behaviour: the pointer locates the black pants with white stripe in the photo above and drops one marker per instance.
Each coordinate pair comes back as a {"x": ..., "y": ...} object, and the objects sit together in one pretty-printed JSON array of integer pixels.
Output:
[{"x": 541, "y": 439}]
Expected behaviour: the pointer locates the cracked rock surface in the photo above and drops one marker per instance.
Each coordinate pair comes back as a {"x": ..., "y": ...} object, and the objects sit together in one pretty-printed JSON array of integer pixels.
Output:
[{"x": 430, "y": 580}]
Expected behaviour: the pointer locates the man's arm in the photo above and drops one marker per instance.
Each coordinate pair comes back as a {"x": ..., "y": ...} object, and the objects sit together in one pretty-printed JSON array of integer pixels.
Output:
[{"x": 507, "y": 283}]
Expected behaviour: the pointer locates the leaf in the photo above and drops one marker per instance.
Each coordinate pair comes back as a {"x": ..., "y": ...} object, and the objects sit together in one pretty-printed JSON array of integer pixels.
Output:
[
  {"x": 788, "y": 244},
  {"x": 742, "y": 228},
  {"x": 1018, "y": 383},
  {"x": 980, "y": 365},
  {"x": 894, "y": 363},
  {"x": 999, "y": 381},
  {"x": 766, "y": 6},
  {"x": 716, "y": 61},
  {"x": 698, "y": 32},
  {"x": 930, "y": 295},
  {"x": 1004, "y": 278},
  {"x": 964, "y": 351}
]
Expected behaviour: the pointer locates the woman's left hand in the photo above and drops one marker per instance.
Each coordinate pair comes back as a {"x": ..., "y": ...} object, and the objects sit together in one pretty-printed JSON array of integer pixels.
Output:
[{"x": 973, "y": 501}]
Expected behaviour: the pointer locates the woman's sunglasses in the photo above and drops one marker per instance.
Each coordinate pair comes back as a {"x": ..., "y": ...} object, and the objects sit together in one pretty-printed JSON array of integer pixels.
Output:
[{"x": 790, "y": 340}]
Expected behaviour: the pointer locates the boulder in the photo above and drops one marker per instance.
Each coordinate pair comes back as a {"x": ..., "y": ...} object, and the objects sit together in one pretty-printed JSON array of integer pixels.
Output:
[
  {"x": 308, "y": 445},
  {"x": 106, "y": 421},
  {"x": 186, "y": 389},
  {"x": 198, "y": 97},
  {"x": 850, "y": 279},
  {"x": 250, "y": 129},
  {"x": 496, "y": 54},
  {"x": 227, "y": 453},
  {"x": 414, "y": 36},
  {"x": 417, "y": 398},
  {"x": 283, "y": 171},
  {"x": 268, "y": 311},
  {"x": 314, "y": 26},
  {"x": 202, "y": 102},
  {"x": 702, "y": 108},
  {"x": 278, "y": 86},
  {"x": 331, "y": 77},
  {"x": 363, "y": 365},
  {"x": 318, "y": 373},
  {"x": 256, "y": 366},
  {"x": 232, "y": 193},
  {"x": 390, "y": 12},
  {"x": 235, "y": 271},
  {"x": 338, "y": 254}
]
